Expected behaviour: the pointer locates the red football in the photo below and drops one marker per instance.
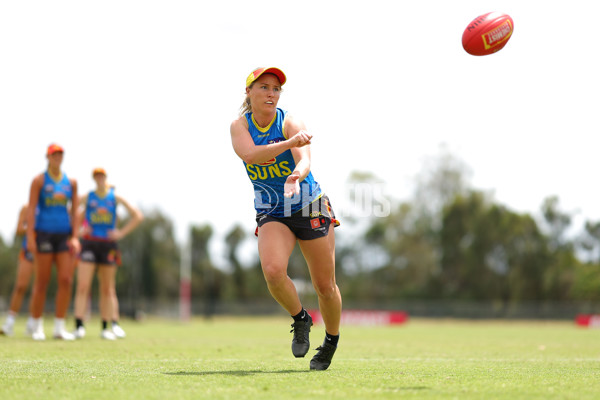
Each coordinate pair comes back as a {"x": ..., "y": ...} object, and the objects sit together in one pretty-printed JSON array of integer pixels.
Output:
[{"x": 487, "y": 34}]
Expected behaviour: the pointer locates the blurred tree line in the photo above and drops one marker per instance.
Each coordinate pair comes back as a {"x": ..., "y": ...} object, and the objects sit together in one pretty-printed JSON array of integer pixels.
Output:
[{"x": 449, "y": 241}]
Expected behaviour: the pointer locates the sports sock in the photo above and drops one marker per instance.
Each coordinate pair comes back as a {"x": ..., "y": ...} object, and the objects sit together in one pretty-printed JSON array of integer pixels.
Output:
[
  {"x": 104, "y": 324},
  {"x": 59, "y": 324},
  {"x": 301, "y": 316},
  {"x": 10, "y": 319},
  {"x": 332, "y": 339},
  {"x": 115, "y": 323},
  {"x": 78, "y": 323}
]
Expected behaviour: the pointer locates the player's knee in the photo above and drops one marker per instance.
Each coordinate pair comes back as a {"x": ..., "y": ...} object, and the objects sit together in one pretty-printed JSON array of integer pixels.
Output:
[
  {"x": 106, "y": 290},
  {"x": 325, "y": 289},
  {"x": 82, "y": 290},
  {"x": 65, "y": 281},
  {"x": 20, "y": 290},
  {"x": 274, "y": 273},
  {"x": 41, "y": 282}
]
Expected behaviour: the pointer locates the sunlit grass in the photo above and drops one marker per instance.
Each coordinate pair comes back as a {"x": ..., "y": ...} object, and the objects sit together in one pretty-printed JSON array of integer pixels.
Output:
[{"x": 239, "y": 358}]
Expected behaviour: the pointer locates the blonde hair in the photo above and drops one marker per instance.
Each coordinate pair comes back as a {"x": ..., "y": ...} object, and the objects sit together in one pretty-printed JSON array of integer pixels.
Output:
[{"x": 246, "y": 107}]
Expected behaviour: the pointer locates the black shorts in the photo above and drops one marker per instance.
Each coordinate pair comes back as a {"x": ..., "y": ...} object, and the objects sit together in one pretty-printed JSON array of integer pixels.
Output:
[
  {"x": 100, "y": 252},
  {"x": 51, "y": 242},
  {"x": 312, "y": 222}
]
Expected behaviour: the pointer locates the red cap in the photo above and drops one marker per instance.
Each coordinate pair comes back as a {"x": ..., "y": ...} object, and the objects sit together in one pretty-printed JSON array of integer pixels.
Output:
[
  {"x": 97, "y": 171},
  {"x": 54, "y": 148},
  {"x": 254, "y": 75}
]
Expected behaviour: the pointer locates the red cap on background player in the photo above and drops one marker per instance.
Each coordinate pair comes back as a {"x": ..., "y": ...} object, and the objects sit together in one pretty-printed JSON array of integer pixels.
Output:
[
  {"x": 98, "y": 170},
  {"x": 54, "y": 148}
]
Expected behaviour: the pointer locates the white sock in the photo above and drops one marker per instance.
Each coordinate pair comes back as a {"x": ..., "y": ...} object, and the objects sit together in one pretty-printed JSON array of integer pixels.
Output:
[
  {"x": 10, "y": 319},
  {"x": 59, "y": 324},
  {"x": 38, "y": 324}
]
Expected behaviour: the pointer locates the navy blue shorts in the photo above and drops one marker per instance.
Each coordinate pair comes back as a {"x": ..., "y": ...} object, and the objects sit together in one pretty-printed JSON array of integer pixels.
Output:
[
  {"x": 312, "y": 222},
  {"x": 100, "y": 252},
  {"x": 51, "y": 242}
]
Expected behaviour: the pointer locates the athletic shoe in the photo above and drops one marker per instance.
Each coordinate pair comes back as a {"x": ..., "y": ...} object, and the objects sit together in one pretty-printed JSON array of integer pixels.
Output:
[
  {"x": 118, "y": 331},
  {"x": 7, "y": 329},
  {"x": 38, "y": 334},
  {"x": 108, "y": 335},
  {"x": 37, "y": 329},
  {"x": 63, "y": 335},
  {"x": 300, "y": 342},
  {"x": 79, "y": 333},
  {"x": 322, "y": 359}
]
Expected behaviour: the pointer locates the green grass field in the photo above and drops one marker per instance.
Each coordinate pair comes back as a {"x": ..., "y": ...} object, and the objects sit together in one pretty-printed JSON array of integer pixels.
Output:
[{"x": 250, "y": 358}]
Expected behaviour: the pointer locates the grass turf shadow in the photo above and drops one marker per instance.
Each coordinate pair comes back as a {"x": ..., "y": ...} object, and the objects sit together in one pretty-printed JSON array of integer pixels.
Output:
[{"x": 236, "y": 372}]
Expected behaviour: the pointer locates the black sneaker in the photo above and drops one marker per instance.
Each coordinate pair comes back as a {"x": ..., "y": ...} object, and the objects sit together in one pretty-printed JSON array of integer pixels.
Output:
[
  {"x": 300, "y": 342},
  {"x": 322, "y": 359}
]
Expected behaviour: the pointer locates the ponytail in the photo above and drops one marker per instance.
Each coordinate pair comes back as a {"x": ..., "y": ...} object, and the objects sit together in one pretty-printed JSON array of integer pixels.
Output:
[{"x": 246, "y": 107}]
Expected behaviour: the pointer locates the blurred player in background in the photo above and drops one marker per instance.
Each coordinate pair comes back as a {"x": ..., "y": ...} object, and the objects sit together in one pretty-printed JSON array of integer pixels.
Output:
[
  {"x": 290, "y": 206},
  {"x": 51, "y": 222},
  {"x": 99, "y": 249},
  {"x": 23, "y": 279}
]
